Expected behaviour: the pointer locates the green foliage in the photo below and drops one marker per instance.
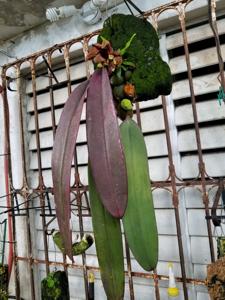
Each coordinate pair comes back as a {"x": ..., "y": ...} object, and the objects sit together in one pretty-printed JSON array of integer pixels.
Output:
[
  {"x": 3, "y": 282},
  {"x": 83, "y": 245},
  {"x": 77, "y": 247},
  {"x": 55, "y": 286},
  {"x": 151, "y": 75},
  {"x": 139, "y": 219},
  {"x": 127, "y": 46},
  {"x": 57, "y": 238},
  {"x": 3, "y": 294}
]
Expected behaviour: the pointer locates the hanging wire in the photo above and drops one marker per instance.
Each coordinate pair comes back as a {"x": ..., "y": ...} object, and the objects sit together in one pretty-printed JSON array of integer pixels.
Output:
[
  {"x": 128, "y": 7},
  {"x": 50, "y": 69},
  {"x": 4, "y": 196},
  {"x": 18, "y": 205},
  {"x": 134, "y": 6}
]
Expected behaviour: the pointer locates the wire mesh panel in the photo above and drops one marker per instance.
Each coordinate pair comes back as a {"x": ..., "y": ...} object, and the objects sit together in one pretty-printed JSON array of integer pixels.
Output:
[{"x": 184, "y": 159}]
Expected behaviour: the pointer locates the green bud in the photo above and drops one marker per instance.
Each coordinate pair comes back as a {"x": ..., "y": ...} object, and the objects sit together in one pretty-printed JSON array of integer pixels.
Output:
[
  {"x": 116, "y": 79},
  {"x": 118, "y": 92},
  {"x": 128, "y": 74},
  {"x": 126, "y": 104},
  {"x": 99, "y": 65}
]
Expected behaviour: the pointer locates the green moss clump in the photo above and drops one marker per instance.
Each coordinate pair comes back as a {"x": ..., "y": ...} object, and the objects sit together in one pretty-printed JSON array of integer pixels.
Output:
[
  {"x": 55, "y": 286},
  {"x": 151, "y": 75}
]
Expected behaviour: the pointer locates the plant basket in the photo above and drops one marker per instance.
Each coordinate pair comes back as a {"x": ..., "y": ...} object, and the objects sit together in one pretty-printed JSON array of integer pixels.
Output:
[
  {"x": 216, "y": 279},
  {"x": 55, "y": 286}
]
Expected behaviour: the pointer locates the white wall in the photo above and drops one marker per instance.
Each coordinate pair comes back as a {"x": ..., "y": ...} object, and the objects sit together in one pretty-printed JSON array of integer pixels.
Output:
[{"x": 196, "y": 236}]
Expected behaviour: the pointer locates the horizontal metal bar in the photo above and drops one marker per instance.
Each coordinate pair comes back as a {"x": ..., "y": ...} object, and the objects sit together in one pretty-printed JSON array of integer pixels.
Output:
[{"x": 134, "y": 274}]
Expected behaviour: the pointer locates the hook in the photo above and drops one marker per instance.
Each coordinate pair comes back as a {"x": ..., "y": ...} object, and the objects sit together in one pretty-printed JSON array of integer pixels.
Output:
[
  {"x": 49, "y": 232},
  {"x": 48, "y": 202},
  {"x": 9, "y": 81}
]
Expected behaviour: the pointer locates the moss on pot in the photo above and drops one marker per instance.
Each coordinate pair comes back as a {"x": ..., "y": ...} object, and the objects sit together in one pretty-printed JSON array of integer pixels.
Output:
[{"x": 151, "y": 75}]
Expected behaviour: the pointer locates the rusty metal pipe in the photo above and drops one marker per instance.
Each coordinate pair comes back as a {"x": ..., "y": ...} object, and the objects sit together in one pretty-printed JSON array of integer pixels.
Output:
[
  {"x": 175, "y": 198},
  {"x": 181, "y": 11},
  {"x": 134, "y": 274},
  {"x": 41, "y": 185}
]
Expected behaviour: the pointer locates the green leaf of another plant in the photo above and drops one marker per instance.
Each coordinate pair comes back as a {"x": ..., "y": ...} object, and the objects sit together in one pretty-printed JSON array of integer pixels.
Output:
[
  {"x": 123, "y": 50},
  {"x": 129, "y": 63}
]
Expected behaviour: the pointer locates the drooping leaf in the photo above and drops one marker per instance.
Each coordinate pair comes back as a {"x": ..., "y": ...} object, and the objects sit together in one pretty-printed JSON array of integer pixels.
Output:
[
  {"x": 62, "y": 156},
  {"x": 104, "y": 146},
  {"x": 139, "y": 220},
  {"x": 109, "y": 245}
]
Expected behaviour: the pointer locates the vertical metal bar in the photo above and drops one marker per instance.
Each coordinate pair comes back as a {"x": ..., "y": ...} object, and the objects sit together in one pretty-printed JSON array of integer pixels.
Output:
[
  {"x": 25, "y": 184},
  {"x": 67, "y": 65},
  {"x": 11, "y": 218},
  {"x": 41, "y": 186},
  {"x": 181, "y": 11},
  {"x": 85, "y": 51},
  {"x": 37, "y": 135},
  {"x": 138, "y": 114},
  {"x": 77, "y": 179},
  {"x": 156, "y": 285},
  {"x": 51, "y": 93},
  {"x": 129, "y": 270},
  {"x": 19, "y": 90},
  {"x": 29, "y": 242},
  {"x": 175, "y": 198},
  {"x": 79, "y": 205},
  {"x": 213, "y": 24}
]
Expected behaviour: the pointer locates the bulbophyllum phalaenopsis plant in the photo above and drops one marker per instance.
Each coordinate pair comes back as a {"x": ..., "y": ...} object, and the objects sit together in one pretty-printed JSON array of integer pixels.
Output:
[{"x": 128, "y": 68}]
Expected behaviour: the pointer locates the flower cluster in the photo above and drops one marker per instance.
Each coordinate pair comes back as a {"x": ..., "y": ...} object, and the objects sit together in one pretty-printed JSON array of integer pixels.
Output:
[
  {"x": 120, "y": 72},
  {"x": 103, "y": 55}
]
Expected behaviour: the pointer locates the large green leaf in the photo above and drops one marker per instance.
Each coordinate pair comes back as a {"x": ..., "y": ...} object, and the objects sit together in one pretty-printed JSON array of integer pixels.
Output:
[
  {"x": 139, "y": 219},
  {"x": 108, "y": 241}
]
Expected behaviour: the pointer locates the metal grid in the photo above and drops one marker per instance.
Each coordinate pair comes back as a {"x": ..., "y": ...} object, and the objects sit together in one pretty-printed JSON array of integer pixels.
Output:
[{"x": 173, "y": 184}]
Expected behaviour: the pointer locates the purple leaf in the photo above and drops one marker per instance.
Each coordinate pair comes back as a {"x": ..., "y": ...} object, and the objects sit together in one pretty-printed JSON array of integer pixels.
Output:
[
  {"x": 104, "y": 146},
  {"x": 62, "y": 157}
]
